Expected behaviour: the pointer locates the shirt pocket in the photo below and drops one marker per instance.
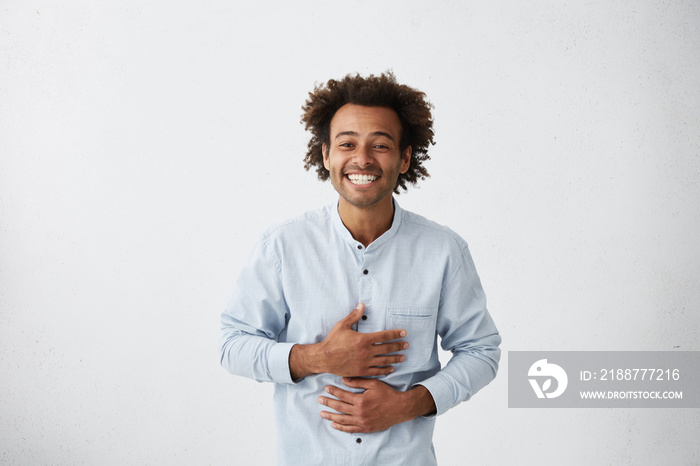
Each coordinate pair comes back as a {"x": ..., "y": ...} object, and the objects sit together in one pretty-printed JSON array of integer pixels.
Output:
[{"x": 419, "y": 323}]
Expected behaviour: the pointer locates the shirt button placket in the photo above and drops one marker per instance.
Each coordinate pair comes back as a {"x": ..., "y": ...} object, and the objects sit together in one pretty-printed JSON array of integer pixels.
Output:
[{"x": 364, "y": 286}]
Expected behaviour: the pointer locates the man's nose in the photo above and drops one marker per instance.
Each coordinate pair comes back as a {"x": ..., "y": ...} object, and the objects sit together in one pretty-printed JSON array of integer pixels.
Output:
[{"x": 363, "y": 156}]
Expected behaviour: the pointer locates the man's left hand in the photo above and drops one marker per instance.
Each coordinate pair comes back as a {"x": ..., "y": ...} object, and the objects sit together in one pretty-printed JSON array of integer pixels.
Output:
[{"x": 377, "y": 408}]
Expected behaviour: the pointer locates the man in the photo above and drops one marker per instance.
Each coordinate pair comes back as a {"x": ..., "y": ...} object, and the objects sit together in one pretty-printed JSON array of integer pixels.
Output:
[{"x": 365, "y": 387}]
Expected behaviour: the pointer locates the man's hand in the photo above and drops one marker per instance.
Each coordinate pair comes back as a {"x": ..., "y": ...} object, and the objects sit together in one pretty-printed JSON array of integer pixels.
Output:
[
  {"x": 348, "y": 353},
  {"x": 377, "y": 408}
]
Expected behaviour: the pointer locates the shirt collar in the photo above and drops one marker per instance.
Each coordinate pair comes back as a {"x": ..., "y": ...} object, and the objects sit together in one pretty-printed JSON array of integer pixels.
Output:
[{"x": 347, "y": 236}]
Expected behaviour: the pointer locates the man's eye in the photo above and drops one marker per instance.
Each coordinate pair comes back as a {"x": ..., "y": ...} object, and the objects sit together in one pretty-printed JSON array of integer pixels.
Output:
[
  {"x": 381, "y": 146},
  {"x": 345, "y": 144}
]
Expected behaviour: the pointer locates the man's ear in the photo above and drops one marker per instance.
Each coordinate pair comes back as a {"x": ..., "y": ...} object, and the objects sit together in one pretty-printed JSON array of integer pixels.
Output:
[
  {"x": 406, "y": 159},
  {"x": 326, "y": 161}
]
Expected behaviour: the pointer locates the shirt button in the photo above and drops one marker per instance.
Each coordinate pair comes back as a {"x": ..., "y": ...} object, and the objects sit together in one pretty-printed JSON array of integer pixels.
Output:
[
  {"x": 359, "y": 246},
  {"x": 364, "y": 317},
  {"x": 365, "y": 271},
  {"x": 359, "y": 440}
]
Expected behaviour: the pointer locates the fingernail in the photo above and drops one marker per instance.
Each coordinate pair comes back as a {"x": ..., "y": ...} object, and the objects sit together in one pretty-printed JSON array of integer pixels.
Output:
[
  {"x": 403, "y": 333},
  {"x": 405, "y": 346},
  {"x": 403, "y": 358},
  {"x": 324, "y": 415},
  {"x": 320, "y": 399},
  {"x": 327, "y": 389}
]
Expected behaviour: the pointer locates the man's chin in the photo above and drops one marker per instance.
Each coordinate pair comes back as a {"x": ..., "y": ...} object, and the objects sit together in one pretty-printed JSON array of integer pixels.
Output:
[{"x": 360, "y": 201}]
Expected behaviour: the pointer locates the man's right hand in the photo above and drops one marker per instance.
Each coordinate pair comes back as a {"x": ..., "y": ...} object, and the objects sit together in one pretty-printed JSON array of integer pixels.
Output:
[{"x": 348, "y": 353}]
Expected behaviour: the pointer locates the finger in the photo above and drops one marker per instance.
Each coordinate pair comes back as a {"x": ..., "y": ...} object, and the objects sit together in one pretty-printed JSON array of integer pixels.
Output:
[
  {"x": 344, "y": 419},
  {"x": 385, "y": 335},
  {"x": 360, "y": 382},
  {"x": 387, "y": 360},
  {"x": 388, "y": 348},
  {"x": 354, "y": 316},
  {"x": 339, "y": 406},
  {"x": 342, "y": 422},
  {"x": 349, "y": 428},
  {"x": 339, "y": 393}
]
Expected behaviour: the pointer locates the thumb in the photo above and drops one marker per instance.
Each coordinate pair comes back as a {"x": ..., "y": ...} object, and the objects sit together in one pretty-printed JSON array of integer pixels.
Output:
[{"x": 355, "y": 315}]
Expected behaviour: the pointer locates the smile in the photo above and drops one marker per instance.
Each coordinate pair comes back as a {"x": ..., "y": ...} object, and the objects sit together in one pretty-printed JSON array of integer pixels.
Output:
[{"x": 361, "y": 179}]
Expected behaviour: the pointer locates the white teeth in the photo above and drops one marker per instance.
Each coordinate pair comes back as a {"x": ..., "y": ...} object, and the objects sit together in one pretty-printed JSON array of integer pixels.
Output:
[{"x": 362, "y": 179}]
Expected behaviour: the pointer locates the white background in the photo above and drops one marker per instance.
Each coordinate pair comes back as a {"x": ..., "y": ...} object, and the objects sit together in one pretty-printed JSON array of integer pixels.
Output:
[{"x": 145, "y": 145}]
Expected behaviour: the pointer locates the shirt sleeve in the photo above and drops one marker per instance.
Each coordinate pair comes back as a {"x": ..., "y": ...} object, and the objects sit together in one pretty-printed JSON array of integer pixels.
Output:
[
  {"x": 468, "y": 331},
  {"x": 253, "y": 320}
]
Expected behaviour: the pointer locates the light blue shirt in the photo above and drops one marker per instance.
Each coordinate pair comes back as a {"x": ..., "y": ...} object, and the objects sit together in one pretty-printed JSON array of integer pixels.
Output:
[{"x": 306, "y": 274}]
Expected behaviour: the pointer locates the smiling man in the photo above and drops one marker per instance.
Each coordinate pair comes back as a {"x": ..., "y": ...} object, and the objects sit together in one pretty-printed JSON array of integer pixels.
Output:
[{"x": 363, "y": 387}]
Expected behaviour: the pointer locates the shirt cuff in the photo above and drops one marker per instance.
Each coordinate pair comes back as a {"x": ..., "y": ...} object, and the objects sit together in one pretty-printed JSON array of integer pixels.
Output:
[
  {"x": 441, "y": 393},
  {"x": 279, "y": 363}
]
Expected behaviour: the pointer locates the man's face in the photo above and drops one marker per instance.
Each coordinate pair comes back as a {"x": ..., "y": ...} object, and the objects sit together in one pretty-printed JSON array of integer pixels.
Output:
[{"x": 363, "y": 157}]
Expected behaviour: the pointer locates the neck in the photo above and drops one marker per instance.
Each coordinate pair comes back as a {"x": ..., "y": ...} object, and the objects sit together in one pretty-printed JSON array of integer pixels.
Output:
[{"x": 366, "y": 224}]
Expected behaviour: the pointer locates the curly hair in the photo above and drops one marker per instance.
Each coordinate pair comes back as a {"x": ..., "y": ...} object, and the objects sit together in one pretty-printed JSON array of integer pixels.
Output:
[{"x": 413, "y": 110}]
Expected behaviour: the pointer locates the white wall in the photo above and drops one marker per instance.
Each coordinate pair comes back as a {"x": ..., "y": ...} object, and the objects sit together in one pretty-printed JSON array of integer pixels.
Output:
[{"x": 144, "y": 145}]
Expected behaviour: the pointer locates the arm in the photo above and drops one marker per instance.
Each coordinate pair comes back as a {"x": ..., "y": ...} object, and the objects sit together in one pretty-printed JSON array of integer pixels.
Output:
[
  {"x": 468, "y": 331},
  {"x": 252, "y": 321},
  {"x": 257, "y": 314},
  {"x": 346, "y": 352}
]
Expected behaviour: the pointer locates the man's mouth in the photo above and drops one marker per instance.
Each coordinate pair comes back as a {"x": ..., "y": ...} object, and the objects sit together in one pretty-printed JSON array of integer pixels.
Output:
[{"x": 361, "y": 179}]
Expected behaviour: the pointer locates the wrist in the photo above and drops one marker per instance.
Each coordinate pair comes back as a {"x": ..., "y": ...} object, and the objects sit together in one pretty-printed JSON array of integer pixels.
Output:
[
  {"x": 420, "y": 402},
  {"x": 305, "y": 360}
]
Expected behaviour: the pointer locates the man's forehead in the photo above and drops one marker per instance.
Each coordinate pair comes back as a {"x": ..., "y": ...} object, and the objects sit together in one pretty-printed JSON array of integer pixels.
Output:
[
  {"x": 356, "y": 134},
  {"x": 361, "y": 119}
]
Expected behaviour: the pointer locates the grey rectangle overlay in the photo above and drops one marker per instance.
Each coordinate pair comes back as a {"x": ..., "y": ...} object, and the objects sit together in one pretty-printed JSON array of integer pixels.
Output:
[{"x": 604, "y": 379}]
